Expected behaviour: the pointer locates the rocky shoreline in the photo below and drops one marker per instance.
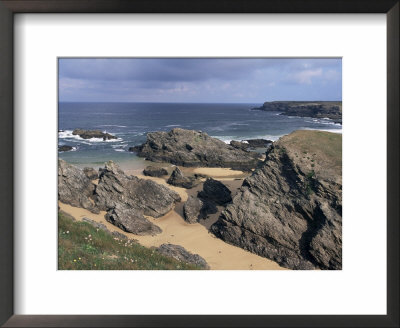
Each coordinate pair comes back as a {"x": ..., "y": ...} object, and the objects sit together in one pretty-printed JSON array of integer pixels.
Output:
[
  {"x": 288, "y": 209},
  {"x": 315, "y": 109}
]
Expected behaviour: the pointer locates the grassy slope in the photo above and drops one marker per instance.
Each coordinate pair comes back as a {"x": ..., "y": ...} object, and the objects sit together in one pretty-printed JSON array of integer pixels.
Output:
[
  {"x": 83, "y": 247},
  {"x": 317, "y": 151}
]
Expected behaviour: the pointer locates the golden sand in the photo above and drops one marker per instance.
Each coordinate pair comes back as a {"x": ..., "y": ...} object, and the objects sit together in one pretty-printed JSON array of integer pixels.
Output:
[{"x": 193, "y": 237}]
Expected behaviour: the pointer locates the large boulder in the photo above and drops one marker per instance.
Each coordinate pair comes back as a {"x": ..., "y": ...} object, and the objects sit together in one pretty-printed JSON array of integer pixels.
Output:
[
  {"x": 131, "y": 220},
  {"x": 290, "y": 209},
  {"x": 196, "y": 209},
  {"x": 181, "y": 254},
  {"x": 74, "y": 187},
  {"x": 89, "y": 134},
  {"x": 194, "y": 148},
  {"x": 150, "y": 198},
  {"x": 215, "y": 191},
  {"x": 178, "y": 179},
  {"x": 65, "y": 148},
  {"x": 153, "y": 171}
]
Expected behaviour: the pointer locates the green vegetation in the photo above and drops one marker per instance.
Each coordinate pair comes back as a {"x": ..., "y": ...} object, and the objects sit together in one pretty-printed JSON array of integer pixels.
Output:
[{"x": 83, "y": 247}]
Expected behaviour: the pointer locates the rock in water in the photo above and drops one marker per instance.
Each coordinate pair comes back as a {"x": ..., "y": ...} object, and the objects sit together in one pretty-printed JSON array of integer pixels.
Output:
[
  {"x": 65, "y": 148},
  {"x": 239, "y": 144},
  {"x": 259, "y": 143},
  {"x": 179, "y": 253},
  {"x": 74, "y": 187},
  {"x": 179, "y": 180},
  {"x": 215, "y": 191},
  {"x": 194, "y": 148},
  {"x": 89, "y": 134},
  {"x": 153, "y": 171},
  {"x": 131, "y": 220},
  {"x": 290, "y": 209},
  {"x": 149, "y": 197},
  {"x": 91, "y": 173}
]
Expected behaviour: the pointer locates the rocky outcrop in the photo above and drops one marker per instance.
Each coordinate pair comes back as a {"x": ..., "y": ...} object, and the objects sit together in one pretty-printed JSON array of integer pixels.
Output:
[
  {"x": 181, "y": 254},
  {"x": 239, "y": 145},
  {"x": 131, "y": 220},
  {"x": 259, "y": 143},
  {"x": 89, "y": 134},
  {"x": 316, "y": 109},
  {"x": 196, "y": 209},
  {"x": 215, "y": 191},
  {"x": 115, "y": 187},
  {"x": 91, "y": 173},
  {"x": 290, "y": 209},
  {"x": 74, "y": 187},
  {"x": 194, "y": 148},
  {"x": 65, "y": 148},
  {"x": 179, "y": 180},
  {"x": 153, "y": 171}
]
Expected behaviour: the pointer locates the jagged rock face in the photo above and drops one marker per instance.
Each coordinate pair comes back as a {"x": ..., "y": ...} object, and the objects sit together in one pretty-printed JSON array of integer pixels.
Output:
[
  {"x": 153, "y": 171},
  {"x": 215, "y": 191},
  {"x": 196, "y": 209},
  {"x": 258, "y": 143},
  {"x": 149, "y": 197},
  {"x": 181, "y": 254},
  {"x": 131, "y": 220},
  {"x": 194, "y": 148},
  {"x": 179, "y": 180},
  {"x": 89, "y": 134},
  {"x": 91, "y": 173},
  {"x": 290, "y": 209},
  {"x": 239, "y": 144},
  {"x": 74, "y": 187}
]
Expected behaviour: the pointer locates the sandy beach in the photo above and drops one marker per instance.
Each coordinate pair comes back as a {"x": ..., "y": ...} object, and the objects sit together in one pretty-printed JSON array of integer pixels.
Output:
[{"x": 194, "y": 237}]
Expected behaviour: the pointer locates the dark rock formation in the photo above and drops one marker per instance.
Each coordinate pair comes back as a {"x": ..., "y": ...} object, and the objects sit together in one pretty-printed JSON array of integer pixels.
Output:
[
  {"x": 91, "y": 173},
  {"x": 179, "y": 180},
  {"x": 316, "y": 109},
  {"x": 89, "y": 134},
  {"x": 181, "y": 254},
  {"x": 239, "y": 145},
  {"x": 131, "y": 220},
  {"x": 149, "y": 197},
  {"x": 153, "y": 171},
  {"x": 196, "y": 209},
  {"x": 290, "y": 209},
  {"x": 65, "y": 148},
  {"x": 194, "y": 148},
  {"x": 74, "y": 187},
  {"x": 259, "y": 143},
  {"x": 215, "y": 191}
]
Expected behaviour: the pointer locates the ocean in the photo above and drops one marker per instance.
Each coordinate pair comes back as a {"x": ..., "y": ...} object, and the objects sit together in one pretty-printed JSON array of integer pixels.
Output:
[{"x": 131, "y": 121}]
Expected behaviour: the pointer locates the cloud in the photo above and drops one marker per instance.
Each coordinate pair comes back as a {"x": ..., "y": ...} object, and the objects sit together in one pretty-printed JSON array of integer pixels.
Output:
[{"x": 198, "y": 79}]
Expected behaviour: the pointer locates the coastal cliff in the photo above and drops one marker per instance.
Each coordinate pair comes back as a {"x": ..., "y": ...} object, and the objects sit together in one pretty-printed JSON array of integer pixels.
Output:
[
  {"x": 315, "y": 109},
  {"x": 290, "y": 209}
]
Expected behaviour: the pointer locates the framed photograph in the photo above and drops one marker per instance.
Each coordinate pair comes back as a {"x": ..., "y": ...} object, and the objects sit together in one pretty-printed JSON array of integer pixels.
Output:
[{"x": 199, "y": 164}]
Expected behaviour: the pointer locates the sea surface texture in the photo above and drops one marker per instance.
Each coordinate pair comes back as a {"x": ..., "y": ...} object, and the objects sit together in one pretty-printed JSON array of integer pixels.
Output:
[{"x": 131, "y": 121}]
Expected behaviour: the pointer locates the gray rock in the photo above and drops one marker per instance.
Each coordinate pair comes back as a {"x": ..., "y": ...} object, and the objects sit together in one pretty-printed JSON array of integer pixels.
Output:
[
  {"x": 89, "y": 134},
  {"x": 74, "y": 187},
  {"x": 181, "y": 254},
  {"x": 146, "y": 196},
  {"x": 131, "y": 220},
  {"x": 193, "y": 148},
  {"x": 239, "y": 145},
  {"x": 258, "y": 143},
  {"x": 191, "y": 209},
  {"x": 153, "y": 171},
  {"x": 91, "y": 173},
  {"x": 290, "y": 209},
  {"x": 179, "y": 180},
  {"x": 215, "y": 191},
  {"x": 65, "y": 148}
]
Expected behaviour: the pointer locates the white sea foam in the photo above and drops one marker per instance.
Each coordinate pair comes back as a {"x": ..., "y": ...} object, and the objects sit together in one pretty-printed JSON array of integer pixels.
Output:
[{"x": 172, "y": 125}]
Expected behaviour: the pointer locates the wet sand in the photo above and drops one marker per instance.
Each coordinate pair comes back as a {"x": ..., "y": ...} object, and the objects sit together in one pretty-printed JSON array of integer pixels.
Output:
[{"x": 193, "y": 237}]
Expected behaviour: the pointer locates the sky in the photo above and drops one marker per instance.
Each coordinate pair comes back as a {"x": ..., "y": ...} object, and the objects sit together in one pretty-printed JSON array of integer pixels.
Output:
[{"x": 199, "y": 80}]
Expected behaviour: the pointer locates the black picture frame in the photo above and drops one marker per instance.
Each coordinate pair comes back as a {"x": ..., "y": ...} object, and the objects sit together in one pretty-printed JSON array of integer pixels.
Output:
[{"x": 10, "y": 7}]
